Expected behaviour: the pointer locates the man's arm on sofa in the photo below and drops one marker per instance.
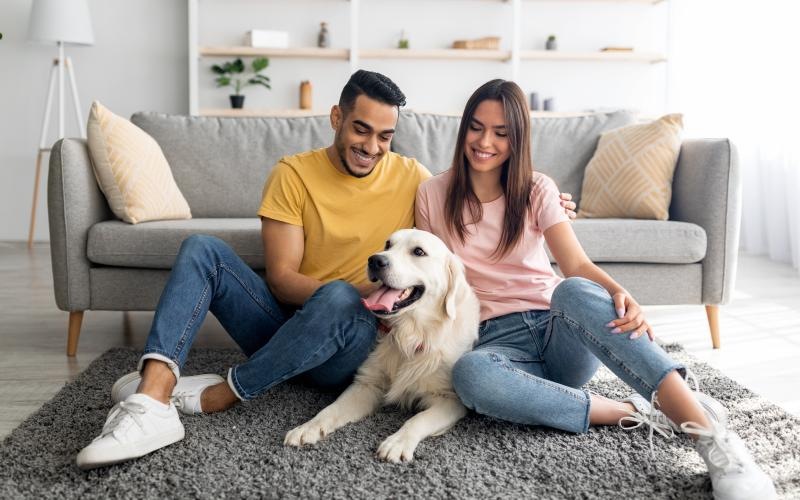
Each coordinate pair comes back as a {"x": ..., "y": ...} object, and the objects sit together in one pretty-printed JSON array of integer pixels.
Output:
[
  {"x": 706, "y": 191},
  {"x": 284, "y": 246},
  {"x": 74, "y": 204}
]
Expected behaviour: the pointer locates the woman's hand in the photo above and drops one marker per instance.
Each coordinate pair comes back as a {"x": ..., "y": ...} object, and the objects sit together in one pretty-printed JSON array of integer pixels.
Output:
[
  {"x": 631, "y": 317},
  {"x": 568, "y": 204}
]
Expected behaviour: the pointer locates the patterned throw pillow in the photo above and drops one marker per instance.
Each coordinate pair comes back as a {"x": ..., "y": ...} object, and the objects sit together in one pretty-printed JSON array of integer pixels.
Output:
[
  {"x": 131, "y": 170},
  {"x": 630, "y": 174}
]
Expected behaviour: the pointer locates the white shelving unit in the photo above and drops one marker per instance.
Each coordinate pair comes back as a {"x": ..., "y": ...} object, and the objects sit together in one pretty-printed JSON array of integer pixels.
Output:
[
  {"x": 461, "y": 54},
  {"x": 305, "y": 52},
  {"x": 514, "y": 57},
  {"x": 620, "y": 56}
]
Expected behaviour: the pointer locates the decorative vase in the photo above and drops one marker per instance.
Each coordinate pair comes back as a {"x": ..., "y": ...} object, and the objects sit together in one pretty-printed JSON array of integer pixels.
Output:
[
  {"x": 323, "y": 40},
  {"x": 551, "y": 43},
  {"x": 534, "y": 101},
  {"x": 237, "y": 101},
  {"x": 305, "y": 94}
]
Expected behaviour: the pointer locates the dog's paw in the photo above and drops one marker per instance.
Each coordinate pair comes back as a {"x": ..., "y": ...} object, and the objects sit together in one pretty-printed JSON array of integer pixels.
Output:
[
  {"x": 308, "y": 433},
  {"x": 399, "y": 447}
]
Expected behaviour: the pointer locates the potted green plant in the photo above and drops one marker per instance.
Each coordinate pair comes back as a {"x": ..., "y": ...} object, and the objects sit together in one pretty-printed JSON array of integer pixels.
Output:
[{"x": 232, "y": 73}]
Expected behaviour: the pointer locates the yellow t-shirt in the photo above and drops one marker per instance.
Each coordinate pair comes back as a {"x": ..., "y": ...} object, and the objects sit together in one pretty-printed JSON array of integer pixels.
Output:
[{"x": 345, "y": 219}]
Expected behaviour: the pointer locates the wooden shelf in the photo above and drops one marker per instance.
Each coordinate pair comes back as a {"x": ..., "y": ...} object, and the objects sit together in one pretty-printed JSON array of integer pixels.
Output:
[
  {"x": 300, "y": 52},
  {"x": 489, "y": 55},
  {"x": 451, "y": 54},
  {"x": 558, "y": 55},
  {"x": 247, "y": 112}
]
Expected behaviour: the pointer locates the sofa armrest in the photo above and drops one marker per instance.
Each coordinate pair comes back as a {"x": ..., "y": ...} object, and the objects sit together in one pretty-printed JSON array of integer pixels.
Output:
[
  {"x": 74, "y": 204},
  {"x": 707, "y": 191}
]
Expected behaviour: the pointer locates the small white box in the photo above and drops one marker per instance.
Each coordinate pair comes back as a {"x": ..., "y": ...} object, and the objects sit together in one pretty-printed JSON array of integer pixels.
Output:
[{"x": 267, "y": 39}]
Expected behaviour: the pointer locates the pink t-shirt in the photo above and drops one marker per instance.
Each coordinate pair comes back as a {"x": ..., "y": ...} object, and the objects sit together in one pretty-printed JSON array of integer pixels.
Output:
[{"x": 522, "y": 280}]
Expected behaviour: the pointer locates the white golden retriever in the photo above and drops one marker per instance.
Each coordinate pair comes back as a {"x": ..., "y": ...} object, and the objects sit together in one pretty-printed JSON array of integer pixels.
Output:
[{"x": 429, "y": 317}]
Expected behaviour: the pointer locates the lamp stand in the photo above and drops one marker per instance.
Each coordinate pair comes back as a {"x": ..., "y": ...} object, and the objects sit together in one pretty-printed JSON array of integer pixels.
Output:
[{"x": 56, "y": 71}]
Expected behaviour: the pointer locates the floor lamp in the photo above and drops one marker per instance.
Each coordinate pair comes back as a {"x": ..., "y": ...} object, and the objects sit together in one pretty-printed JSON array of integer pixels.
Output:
[{"x": 61, "y": 22}]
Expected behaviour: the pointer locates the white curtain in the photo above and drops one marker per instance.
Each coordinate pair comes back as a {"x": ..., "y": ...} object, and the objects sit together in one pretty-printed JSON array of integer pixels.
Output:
[{"x": 734, "y": 72}]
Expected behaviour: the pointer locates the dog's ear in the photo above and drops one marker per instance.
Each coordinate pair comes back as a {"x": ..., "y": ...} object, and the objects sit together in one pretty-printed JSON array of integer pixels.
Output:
[{"x": 456, "y": 285}]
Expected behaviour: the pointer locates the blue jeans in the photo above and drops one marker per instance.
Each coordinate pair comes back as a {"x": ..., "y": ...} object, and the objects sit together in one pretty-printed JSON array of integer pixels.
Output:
[
  {"x": 529, "y": 367},
  {"x": 327, "y": 339}
]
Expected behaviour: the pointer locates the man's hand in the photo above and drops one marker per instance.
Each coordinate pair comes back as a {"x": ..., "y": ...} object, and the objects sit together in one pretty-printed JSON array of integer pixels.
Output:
[{"x": 569, "y": 205}]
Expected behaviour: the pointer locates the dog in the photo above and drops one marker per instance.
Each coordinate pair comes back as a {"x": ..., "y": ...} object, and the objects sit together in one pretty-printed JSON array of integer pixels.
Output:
[{"x": 429, "y": 317}]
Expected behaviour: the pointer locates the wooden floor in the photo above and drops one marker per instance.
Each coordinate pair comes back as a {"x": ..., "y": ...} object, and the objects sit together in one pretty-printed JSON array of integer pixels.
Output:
[{"x": 760, "y": 333}]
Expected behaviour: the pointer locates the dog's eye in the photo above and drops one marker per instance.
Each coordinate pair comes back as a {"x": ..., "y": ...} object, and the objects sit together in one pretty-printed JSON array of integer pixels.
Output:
[
  {"x": 419, "y": 252},
  {"x": 387, "y": 245}
]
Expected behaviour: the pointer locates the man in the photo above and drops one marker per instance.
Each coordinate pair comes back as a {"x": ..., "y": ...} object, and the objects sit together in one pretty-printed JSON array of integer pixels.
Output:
[{"x": 323, "y": 213}]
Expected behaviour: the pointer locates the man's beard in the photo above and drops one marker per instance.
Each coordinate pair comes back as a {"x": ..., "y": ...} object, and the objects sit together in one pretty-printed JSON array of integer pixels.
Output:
[{"x": 342, "y": 151}]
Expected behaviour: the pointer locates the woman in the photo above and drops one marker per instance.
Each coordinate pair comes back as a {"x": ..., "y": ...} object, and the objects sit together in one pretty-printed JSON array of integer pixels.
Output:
[{"x": 543, "y": 337}]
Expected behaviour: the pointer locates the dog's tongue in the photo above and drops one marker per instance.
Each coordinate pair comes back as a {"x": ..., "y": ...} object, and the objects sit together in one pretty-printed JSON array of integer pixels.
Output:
[{"x": 382, "y": 299}]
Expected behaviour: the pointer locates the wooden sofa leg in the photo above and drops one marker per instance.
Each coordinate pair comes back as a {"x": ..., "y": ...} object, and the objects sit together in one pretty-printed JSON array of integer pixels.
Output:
[
  {"x": 712, "y": 312},
  {"x": 75, "y": 319}
]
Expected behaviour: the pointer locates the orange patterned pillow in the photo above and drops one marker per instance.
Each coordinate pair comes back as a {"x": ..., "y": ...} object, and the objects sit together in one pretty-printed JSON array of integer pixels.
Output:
[
  {"x": 630, "y": 174},
  {"x": 131, "y": 170}
]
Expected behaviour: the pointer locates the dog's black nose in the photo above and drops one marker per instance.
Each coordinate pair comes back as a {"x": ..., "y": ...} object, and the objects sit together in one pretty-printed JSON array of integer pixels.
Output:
[{"x": 377, "y": 262}]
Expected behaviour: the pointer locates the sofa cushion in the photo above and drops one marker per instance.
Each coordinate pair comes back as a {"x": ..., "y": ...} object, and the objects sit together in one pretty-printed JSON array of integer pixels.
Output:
[
  {"x": 155, "y": 244},
  {"x": 221, "y": 164},
  {"x": 562, "y": 145},
  {"x": 630, "y": 174},
  {"x": 642, "y": 241},
  {"x": 131, "y": 170}
]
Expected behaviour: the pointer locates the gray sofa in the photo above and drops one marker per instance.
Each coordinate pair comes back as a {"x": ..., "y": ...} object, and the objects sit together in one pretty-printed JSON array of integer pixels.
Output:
[{"x": 220, "y": 164}]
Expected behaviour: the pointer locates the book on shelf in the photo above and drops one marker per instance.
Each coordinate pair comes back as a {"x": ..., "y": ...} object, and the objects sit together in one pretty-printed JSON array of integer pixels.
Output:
[
  {"x": 485, "y": 43},
  {"x": 616, "y": 49},
  {"x": 267, "y": 39}
]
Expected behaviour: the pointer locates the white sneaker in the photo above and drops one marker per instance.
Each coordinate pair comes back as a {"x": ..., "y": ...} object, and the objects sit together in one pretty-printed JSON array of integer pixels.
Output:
[
  {"x": 734, "y": 473},
  {"x": 134, "y": 427},
  {"x": 646, "y": 414},
  {"x": 185, "y": 395},
  {"x": 715, "y": 410}
]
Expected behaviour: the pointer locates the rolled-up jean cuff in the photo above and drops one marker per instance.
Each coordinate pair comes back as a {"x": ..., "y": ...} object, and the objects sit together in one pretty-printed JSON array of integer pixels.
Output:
[
  {"x": 680, "y": 368},
  {"x": 233, "y": 386},
  {"x": 160, "y": 357},
  {"x": 586, "y": 421}
]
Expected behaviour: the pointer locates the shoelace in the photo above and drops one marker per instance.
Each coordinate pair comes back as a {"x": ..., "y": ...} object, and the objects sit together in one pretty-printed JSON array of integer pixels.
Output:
[
  {"x": 654, "y": 422},
  {"x": 690, "y": 375},
  {"x": 179, "y": 399},
  {"x": 119, "y": 412},
  {"x": 721, "y": 453}
]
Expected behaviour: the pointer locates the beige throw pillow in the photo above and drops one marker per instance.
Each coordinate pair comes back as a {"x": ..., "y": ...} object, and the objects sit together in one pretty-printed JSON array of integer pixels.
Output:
[
  {"x": 131, "y": 170},
  {"x": 630, "y": 174}
]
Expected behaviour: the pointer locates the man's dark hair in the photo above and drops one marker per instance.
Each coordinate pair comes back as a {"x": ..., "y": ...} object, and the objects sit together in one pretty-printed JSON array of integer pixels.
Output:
[{"x": 373, "y": 85}]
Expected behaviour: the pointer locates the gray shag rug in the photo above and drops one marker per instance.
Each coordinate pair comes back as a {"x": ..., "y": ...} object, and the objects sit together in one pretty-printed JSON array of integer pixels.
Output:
[{"x": 240, "y": 452}]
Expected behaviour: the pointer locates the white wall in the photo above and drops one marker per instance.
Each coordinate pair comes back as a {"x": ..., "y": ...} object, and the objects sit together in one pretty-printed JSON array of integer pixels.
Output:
[{"x": 139, "y": 62}]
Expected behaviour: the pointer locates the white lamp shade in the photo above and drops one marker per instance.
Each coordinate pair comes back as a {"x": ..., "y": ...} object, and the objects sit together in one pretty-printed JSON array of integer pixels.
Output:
[{"x": 64, "y": 21}]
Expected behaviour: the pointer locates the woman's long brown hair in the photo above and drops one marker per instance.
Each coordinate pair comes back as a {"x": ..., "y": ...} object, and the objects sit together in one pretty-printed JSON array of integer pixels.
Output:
[{"x": 517, "y": 175}]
